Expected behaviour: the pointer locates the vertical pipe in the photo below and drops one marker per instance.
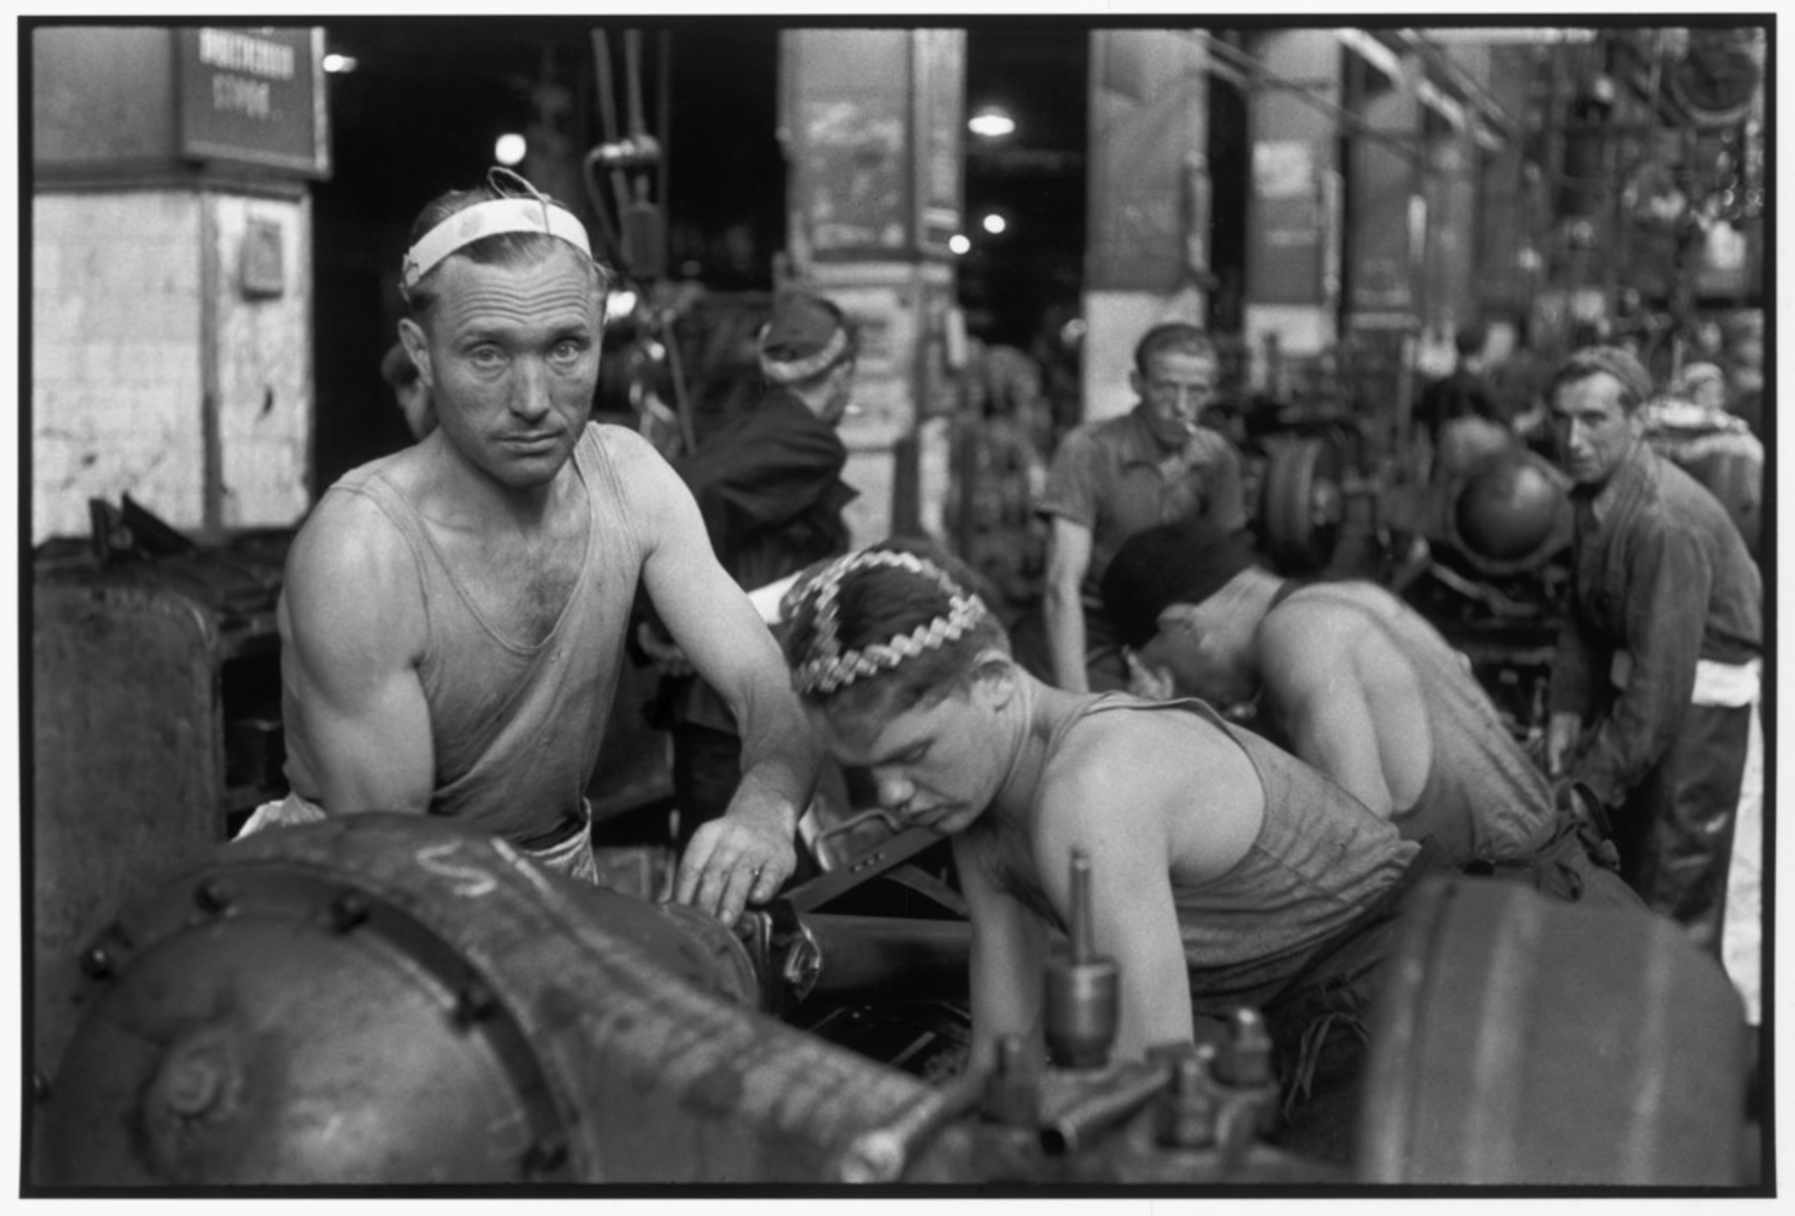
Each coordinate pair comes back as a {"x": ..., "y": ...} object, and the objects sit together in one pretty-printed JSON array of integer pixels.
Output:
[
  {"x": 664, "y": 130},
  {"x": 211, "y": 443},
  {"x": 1083, "y": 944}
]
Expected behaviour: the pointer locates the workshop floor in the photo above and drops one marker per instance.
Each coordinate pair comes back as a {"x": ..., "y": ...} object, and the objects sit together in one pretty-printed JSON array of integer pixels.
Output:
[{"x": 1742, "y": 937}]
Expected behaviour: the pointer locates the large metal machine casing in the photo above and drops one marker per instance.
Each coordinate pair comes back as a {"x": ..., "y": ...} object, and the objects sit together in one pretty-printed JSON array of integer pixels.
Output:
[{"x": 387, "y": 999}]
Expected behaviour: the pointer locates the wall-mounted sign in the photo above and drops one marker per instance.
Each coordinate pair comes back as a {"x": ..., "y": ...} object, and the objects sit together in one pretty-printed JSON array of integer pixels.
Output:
[
  {"x": 253, "y": 95},
  {"x": 854, "y": 189},
  {"x": 1285, "y": 265}
]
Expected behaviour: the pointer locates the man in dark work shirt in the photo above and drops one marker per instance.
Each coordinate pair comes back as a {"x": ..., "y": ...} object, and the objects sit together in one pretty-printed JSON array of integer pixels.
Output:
[
  {"x": 1656, "y": 669},
  {"x": 769, "y": 487}
]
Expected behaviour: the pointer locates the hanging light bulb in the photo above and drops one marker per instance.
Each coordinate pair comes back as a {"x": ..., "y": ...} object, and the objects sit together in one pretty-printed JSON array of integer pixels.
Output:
[{"x": 992, "y": 122}]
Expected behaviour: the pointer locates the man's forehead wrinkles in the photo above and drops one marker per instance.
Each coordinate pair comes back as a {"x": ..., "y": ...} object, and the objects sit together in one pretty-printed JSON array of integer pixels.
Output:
[
  {"x": 555, "y": 309},
  {"x": 502, "y": 297}
]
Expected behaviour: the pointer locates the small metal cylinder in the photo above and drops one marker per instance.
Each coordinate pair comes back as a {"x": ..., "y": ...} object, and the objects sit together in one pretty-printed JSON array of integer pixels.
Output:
[
  {"x": 1012, "y": 1091},
  {"x": 1248, "y": 1059},
  {"x": 1187, "y": 1111},
  {"x": 1083, "y": 994},
  {"x": 1083, "y": 1000}
]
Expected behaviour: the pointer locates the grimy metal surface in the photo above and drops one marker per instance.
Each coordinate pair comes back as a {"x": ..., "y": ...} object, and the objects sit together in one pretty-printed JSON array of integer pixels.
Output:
[
  {"x": 1522, "y": 1041},
  {"x": 127, "y": 768},
  {"x": 382, "y": 998}
]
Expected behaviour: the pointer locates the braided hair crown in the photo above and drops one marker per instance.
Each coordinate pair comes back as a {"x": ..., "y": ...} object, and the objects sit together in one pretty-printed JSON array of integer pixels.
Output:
[{"x": 824, "y": 666}]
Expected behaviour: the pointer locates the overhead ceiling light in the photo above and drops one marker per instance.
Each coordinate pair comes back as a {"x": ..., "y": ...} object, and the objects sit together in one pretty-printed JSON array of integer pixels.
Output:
[
  {"x": 619, "y": 304},
  {"x": 994, "y": 223},
  {"x": 337, "y": 64},
  {"x": 991, "y": 122},
  {"x": 959, "y": 244},
  {"x": 509, "y": 148}
]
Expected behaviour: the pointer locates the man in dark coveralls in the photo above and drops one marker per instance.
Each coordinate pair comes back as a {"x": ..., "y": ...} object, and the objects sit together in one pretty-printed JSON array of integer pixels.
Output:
[
  {"x": 769, "y": 487},
  {"x": 1656, "y": 669}
]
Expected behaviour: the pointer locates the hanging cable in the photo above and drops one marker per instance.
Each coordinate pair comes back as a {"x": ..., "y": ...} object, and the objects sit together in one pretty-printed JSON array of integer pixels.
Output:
[{"x": 632, "y": 77}]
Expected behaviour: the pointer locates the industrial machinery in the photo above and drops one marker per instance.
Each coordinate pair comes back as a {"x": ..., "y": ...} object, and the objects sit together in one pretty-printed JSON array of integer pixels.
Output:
[
  {"x": 1474, "y": 533},
  {"x": 1483, "y": 551},
  {"x": 385, "y": 999}
]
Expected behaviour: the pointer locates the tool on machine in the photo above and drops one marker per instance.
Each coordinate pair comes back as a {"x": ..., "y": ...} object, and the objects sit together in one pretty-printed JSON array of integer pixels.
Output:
[
  {"x": 1082, "y": 992},
  {"x": 883, "y": 1153}
]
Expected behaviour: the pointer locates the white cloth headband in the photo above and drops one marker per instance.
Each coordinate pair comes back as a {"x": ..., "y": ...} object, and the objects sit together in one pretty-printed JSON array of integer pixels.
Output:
[
  {"x": 491, "y": 218},
  {"x": 794, "y": 370}
]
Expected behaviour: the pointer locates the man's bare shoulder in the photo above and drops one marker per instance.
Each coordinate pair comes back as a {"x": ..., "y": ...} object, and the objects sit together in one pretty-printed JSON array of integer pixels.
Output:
[
  {"x": 1306, "y": 639},
  {"x": 350, "y": 568},
  {"x": 1317, "y": 636},
  {"x": 1112, "y": 759},
  {"x": 1128, "y": 780},
  {"x": 626, "y": 450},
  {"x": 641, "y": 474}
]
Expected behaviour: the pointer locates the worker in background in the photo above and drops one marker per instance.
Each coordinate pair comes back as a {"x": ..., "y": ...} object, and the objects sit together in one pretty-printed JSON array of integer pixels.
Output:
[
  {"x": 1355, "y": 682},
  {"x": 1459, "y": 411},
  {"x": 1112, "y": 478},
  {"x": 1656, "y": 668},
  {"x": 454, "y": 614},
  {"x": 1224, "y": 872},
  {"x": 1691, "y": 427},
  {"x": 1464, "y": 392},
  {"x": 1745, "y": 381},
  {"x": 413, "y": 399},
  {"x": 769, "y": 488}
]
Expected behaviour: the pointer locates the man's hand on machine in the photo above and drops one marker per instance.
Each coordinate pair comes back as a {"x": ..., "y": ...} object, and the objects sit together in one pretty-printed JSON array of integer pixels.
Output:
[{"x": 740, "y": 859}]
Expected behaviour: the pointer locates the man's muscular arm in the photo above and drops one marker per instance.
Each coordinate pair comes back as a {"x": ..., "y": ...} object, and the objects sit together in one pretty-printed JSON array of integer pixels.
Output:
[
  {"x": 1068, "y": 557},
  {"x": 1117, "y": 806},
  {"x": 351, "y": 629},
  {"x": 1008, "y": 953},
  {"x": 746, "y": 855}
]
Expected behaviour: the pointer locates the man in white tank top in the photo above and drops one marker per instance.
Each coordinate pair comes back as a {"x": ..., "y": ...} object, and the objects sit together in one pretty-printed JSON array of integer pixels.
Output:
[{"x": 471, "y": 550}]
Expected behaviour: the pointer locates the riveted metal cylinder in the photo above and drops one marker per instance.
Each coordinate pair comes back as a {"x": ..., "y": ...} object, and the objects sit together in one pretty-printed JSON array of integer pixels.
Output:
[{"x": 393, "y": 999}]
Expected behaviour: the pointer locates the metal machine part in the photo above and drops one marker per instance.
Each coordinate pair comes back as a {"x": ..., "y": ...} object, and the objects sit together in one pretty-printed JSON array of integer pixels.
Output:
[
  {"x": 383, "y": 999},
  {"x": 1524, "y": 1041},
  {"x": 1083, "y": 992},
  {"x": 388, "y": 998},
  {"x": 1509, "y": 513},
  {"x": 1302, "y": 502}
]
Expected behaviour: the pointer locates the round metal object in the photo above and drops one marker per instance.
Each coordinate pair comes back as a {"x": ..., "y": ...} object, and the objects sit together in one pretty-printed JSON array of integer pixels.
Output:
[
  {"x": 272, "y": 1046},
  {"x": 1081, "y": 1007},
  {"x": 1522, "y": 1041},
  {"x": 1510, "y": 513},
  {"x": 1302, "y": 503},
  {"x": 395, "y": 999}
]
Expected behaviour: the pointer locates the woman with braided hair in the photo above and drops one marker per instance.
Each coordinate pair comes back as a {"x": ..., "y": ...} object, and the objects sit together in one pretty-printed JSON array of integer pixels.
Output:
[{"x": 1224, "y": 872}]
